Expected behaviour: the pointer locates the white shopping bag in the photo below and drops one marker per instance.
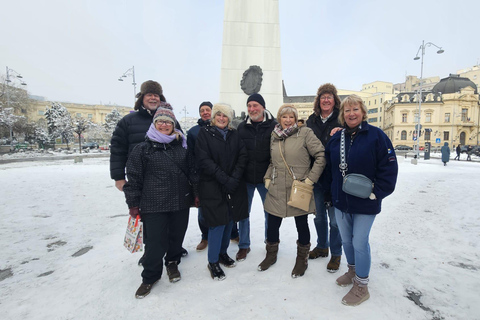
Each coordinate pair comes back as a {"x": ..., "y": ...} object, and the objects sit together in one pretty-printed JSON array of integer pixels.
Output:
[{"x": 134, "y": 235}]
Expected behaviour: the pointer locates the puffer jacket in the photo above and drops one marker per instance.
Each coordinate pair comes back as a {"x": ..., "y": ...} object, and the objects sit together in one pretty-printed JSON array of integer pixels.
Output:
[
  {"x": 192, "y": 134},
  {"x": 156, "y": 183},
  {"x": 370, "y": 153},
  {"x": 297, "y": 150},
  {"x": 130, "y": 131},
  {"x": 218, "y": 161},
  {"x": 257, "y": 142}
]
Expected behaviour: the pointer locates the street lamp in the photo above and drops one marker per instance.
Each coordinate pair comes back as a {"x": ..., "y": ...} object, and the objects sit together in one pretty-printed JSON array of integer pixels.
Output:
[
  {"x": 14, "y": 74},
  {"x": 417, "y": 126},
  {"x": 130, "y": 72},
  {"x": 185, "y": 117}
]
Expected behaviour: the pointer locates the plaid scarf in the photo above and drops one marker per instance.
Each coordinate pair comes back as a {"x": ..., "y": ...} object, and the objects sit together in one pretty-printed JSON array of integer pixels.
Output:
[{"x": 285, "y": 133}]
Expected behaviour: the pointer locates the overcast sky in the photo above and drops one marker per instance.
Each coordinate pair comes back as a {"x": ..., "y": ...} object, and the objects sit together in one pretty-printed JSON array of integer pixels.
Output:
[{"x": 76, "y": 50}]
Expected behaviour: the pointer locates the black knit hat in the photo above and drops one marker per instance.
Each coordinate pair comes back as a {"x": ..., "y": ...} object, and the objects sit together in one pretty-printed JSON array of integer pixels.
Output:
[
  {"x": 205, "y": 103},
  {"x": 258, "y": 98},
  {"x": 149, "y": 86}
]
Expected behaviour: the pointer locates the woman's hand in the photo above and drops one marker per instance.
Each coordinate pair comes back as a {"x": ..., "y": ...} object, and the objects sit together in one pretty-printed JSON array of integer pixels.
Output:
[
  {"x": 134, "y": 212},
  {"x": 309, "y": 182},
  {"x": 335, "y": 130},
  {"x": 267, "y": 183}
]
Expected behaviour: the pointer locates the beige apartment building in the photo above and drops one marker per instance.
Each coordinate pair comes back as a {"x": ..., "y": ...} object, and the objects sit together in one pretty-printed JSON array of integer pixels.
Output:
[{"x": 449, "y": 113}]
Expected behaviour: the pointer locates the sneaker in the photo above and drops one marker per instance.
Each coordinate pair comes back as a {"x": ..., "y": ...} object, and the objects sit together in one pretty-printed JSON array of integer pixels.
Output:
[
  {"x": 242, "y": 254},
  {"x": 172, "y": 271},
  {"x": 144, "y": 290},
  {"x": 202, "y": 245},
  {"x": 184, "y": 252},
  {"x": 236, "y": 240},
  {"x": 140, "y": 262},
  {"x": 357, "y": 295},
  {"x": 224, "y": 259},
  {"x": 334, "y": 264},
  {"x": 216, "y": 272},
  {"x": 318, "y": 253},
  {"x": 347, "y": 278}
]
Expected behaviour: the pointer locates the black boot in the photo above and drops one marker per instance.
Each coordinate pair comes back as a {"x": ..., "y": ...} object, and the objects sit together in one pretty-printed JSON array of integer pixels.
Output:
[{"x": 215, "y": 271}]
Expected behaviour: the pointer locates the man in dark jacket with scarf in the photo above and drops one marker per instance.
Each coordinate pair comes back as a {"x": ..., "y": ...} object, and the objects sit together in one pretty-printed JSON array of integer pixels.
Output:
[
  {"x": 131, "y": 130},
  {"x": 322, "y": 122},
  {"x": 205, "y": 110},
  {"x": 255, "y": 132}
]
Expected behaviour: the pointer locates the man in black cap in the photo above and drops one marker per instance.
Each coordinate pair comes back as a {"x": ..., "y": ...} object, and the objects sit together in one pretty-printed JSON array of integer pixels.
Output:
[
  {"x": 205, "y": 110},
  {"x": 131, "y": 130},
  {"x": 255, "y": 132}
]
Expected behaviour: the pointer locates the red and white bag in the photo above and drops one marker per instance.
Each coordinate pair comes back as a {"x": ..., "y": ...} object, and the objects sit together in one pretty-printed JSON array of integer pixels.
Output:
[{"x": 134, "y": 235}]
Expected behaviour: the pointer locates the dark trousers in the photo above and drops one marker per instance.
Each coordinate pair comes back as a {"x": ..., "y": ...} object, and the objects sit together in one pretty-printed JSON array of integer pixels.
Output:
[
  {"x": 202, "y": 225},
  {"x": 163, "y": 234},
  {"x": 301, "y": 222}
]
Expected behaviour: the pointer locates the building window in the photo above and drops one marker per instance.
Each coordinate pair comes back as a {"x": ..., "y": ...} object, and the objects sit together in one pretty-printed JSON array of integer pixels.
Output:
[
  {"x": 374, "y": 110},
  {"x": 372, "y": 120},
  {"x": 415, "y": 118},
  {"x": 404, "y": 117},
  {"x": 375, "y": 101},
  {"x": 369, "y": 102},
  {"x": 446, "y": 135},
  {"x": 464, "y": 114},
  {"x": 79, "y": 115},
  {"x": 428, "y": 117},
  {"x": 41, "y": 112},
  {"x": 404, "y": 135},
  {"x": 427, "y": 135},
  {"x": 381, "y": 100},
  {"x": 447, "y": 117},
  {"x": 90, "y": 116}
]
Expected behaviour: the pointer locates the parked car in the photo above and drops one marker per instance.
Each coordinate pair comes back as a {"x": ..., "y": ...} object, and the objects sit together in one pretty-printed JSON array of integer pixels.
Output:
[
  {"x": 90, "y": 145},
  {"x": 403, "y": 147}
]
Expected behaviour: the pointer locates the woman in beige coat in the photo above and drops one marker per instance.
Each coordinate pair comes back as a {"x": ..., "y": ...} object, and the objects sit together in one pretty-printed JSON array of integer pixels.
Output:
[{"x": 297, "y": 145}]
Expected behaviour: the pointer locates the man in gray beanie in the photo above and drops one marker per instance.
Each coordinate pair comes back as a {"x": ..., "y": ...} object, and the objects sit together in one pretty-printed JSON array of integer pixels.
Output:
[{"x": 255, "y": 132}]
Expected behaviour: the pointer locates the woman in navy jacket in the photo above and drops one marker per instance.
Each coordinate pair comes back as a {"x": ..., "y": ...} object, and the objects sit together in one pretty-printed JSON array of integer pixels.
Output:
[{"x": 368, "y": 151}]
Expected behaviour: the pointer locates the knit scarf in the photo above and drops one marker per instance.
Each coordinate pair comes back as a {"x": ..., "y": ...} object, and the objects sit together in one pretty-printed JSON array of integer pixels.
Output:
[
  {"x": 285, "y": 133},
  {"x": 223, "y": 131},
  {"x": 159, "y": 137}
]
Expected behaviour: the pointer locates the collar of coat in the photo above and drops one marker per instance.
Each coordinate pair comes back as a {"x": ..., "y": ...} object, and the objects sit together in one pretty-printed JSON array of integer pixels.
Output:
[{"x": 267, "y": 116}]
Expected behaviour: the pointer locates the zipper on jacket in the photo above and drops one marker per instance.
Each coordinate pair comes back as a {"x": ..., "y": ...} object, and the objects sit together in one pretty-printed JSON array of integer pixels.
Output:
[{"x": 273, "y": 178}]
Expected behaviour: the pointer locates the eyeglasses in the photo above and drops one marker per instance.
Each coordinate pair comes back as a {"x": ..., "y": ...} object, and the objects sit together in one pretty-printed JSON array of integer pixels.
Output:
[
  {"x": 326, "y": 98},
  {"x": 164, "y": 123}
]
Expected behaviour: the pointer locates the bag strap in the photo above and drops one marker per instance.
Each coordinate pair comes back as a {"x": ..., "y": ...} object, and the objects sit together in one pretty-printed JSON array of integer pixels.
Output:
[
  {"x": 181, "y": 169},
  {"x": 286, "y": 165},
  {"x": 343, "y": 164}
]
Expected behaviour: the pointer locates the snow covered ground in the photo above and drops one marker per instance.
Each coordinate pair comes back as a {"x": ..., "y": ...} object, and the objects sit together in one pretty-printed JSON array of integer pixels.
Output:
[{"x": 62, "y": 256}]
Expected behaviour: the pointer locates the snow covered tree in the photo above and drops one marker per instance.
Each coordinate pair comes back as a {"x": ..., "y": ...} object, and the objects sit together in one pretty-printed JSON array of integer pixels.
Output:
[
  {"x": 80, "y": 125},
  {"x": 59, "y": 123},
  {"x": 9, "y": 119},
  {"x": 111, "y": 121}
]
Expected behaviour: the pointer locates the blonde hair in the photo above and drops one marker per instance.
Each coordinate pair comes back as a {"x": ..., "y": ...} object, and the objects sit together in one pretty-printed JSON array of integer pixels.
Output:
[
  {"x": 287, "y": 108},
  {"x": 351, "y": 100}
]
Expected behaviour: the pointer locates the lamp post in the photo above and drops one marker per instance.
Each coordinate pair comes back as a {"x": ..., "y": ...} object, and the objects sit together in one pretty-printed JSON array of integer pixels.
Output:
[
  {"x": 130, "y": 72},
  {"x": 185, "y": 116},
  {"x": 417, "y": 127},
  {"x": 14, "y": 74}
]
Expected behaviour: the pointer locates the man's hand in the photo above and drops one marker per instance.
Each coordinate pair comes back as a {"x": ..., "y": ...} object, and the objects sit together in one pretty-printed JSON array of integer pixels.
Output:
[
  {"x": 197, "y": 202},
  {"x": 119, "y": 184}
]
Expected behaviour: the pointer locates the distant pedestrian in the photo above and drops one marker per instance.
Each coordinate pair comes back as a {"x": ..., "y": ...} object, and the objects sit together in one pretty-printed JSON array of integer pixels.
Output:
[
  {"x": 445, "y": 153},
  {"x": 469, "y": 153},
  {"x": 458, "y": 150}
]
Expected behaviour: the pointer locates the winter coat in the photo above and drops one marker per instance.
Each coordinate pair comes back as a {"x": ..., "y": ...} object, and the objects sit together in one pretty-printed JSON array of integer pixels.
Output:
[
  {"x": 156, "y": 183},
  {"x": 221, "y": 164},
  {"x": 193, "y": 133},
  {"x": 297, "y": 150},
  {"x": 458, "y": 150},
  {"x": 257, "y": 142},
  {"x": 129, "y": 132},
  {"x": 371, "y": 153},
  {"x": 445, "y": 152},
  {"x": 322, "y": 131}
]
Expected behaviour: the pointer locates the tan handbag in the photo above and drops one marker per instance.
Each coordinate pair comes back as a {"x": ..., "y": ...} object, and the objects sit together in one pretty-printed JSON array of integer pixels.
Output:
[{"x": 301, "y": 193}]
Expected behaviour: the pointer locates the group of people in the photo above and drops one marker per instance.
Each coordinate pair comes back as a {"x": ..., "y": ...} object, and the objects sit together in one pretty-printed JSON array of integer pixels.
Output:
[{"x": 217, "y": 169}]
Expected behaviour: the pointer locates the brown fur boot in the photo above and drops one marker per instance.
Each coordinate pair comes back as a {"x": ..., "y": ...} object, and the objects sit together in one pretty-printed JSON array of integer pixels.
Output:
[
  {"x": 301, "y": 263},
  {"x": 271, "y": 258}
]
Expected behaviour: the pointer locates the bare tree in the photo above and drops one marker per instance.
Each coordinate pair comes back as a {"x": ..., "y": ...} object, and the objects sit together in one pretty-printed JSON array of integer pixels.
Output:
[{"x": 80, "y": 125}]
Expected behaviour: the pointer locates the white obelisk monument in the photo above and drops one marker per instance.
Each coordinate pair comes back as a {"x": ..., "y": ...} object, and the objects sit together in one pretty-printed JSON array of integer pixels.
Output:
[{"x": 251, "y": 54}]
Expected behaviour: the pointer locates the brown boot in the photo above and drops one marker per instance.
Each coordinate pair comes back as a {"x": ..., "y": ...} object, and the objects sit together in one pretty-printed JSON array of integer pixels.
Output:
[
  {"x": 301, "y": 263},
  {"x": 271, "y": 258},
  {"x": 347, "y": 278},
  {"x": 334, "y": 264},
  {"x": 356, "y": 295}
]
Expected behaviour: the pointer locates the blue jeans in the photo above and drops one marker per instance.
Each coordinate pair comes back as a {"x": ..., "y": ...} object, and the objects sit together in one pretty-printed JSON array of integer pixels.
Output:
[
  {"x": 355, "y": 230},
  {"x": 218, "y": 241},
  {"x": 321, "y": 224}
]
